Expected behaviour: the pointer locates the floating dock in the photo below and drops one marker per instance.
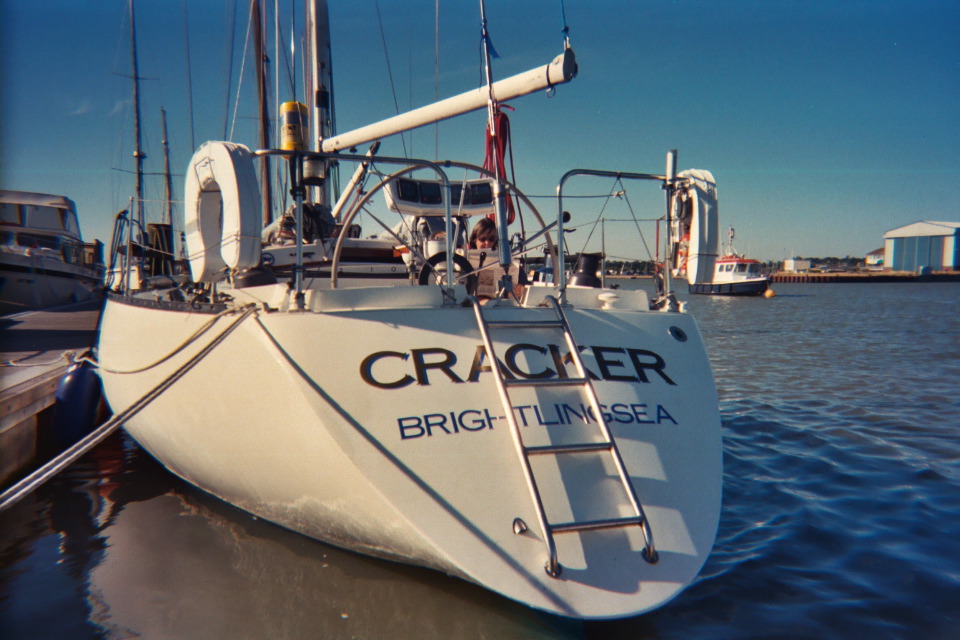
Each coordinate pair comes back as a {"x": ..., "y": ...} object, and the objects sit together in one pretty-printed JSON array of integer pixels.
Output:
[{"x": 36, "y": 348}]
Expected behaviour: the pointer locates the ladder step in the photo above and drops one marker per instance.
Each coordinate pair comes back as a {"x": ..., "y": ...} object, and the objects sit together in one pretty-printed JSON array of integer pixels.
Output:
[
  {"x": 608, "y": 445},
  {"x": 589, "y": 525},
  {"x": 526, "y": 324},
  {"x": 552, "y": 382},
  {"x": 585, "y": 447}
]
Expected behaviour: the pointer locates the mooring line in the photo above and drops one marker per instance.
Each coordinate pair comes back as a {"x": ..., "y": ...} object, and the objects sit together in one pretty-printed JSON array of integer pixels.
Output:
[{"x": 24, "y": 487}]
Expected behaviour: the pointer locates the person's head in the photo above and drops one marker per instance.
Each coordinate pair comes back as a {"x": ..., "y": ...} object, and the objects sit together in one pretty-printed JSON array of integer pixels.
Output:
[{"x": 484, "y": 235}]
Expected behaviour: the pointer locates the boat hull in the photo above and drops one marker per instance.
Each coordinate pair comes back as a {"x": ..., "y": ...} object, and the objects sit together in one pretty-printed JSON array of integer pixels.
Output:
[
  {"x": 755, "y": 287},
  {"x": 376, "y": 426},
  {"x": 34, "y": 283}
]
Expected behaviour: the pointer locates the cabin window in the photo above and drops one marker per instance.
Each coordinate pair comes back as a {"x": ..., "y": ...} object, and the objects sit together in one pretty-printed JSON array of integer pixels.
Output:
[
  {"x": 407, "y": 190},
  {"x": 754, "y": 268},
  {"x": 482, "y": 193},
  {"x": 456, "y": 192},
  {"x": 70, "y": 223},
  {"x": 10, "y": 214},
  {"x": 37, "y": 240},
  {"x": 741, "y": 268},
  {"x": 43, "y": 217},
  {"x": 430, "y": 193}
]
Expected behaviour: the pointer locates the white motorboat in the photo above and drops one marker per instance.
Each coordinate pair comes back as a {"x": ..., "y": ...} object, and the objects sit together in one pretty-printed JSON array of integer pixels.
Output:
[
  {"x": 734, "y": 275},
  {"x": 558, "y": 445},
  {"x": 43, "y": 259}
]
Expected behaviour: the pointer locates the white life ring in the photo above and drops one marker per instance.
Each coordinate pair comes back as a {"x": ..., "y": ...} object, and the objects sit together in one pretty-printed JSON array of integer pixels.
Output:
[{"x": 221, "y": 211}]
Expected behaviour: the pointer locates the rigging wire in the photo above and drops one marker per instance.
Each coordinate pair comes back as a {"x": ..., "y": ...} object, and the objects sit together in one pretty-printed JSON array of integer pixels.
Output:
[
  {"x": 276, "y": 76},
  {"x": 230, "y": 51},
  {"x": 566, "y": 29},
  {"x": 243, "y": 64},
  {"x": 386, "y": 53},
  {"x": 620, "y": 194},
  {"x": 637, "y": 223},
  {"x": 593, "y": 227},
  {"x": 186, "y": 38},
  {"x": 436, "y": 75},
  {"x": 288, "y": 62}
]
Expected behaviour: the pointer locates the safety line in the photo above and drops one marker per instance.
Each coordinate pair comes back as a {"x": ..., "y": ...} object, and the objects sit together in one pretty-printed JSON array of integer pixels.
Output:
[{"x": 21, "y": 489}]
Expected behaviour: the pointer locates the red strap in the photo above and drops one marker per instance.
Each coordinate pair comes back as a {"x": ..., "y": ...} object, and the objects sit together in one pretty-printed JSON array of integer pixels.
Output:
[{"x": 496, "y": 152}]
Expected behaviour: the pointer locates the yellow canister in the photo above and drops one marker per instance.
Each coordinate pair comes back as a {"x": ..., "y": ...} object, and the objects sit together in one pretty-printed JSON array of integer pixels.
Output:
[{"x": 293, "y": 126}]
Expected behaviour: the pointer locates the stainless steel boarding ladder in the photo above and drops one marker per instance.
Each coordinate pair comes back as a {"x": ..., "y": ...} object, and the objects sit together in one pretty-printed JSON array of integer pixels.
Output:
[{"x": 607, "y": 445}]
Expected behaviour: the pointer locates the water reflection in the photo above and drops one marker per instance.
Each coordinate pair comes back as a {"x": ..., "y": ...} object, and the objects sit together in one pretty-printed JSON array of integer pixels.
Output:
[{"x": 152, "y": 557}]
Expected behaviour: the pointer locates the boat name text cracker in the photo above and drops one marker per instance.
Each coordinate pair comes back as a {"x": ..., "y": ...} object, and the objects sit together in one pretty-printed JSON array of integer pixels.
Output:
[{"x": 396, "y": 369}]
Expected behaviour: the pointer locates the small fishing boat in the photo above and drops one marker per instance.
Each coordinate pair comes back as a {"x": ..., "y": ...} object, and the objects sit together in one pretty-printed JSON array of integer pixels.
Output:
[
  {"x": 43, "y": 259},
  {"x": 734, "y": 275},
  {"x": 559, "y": 445}
]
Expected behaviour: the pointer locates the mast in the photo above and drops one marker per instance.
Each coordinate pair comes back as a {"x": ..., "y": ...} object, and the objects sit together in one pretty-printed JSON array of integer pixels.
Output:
[
  {"x": 488, "y": 71},
  {"x": 320, "y": 87},
  {"x": 256, "y": 15},
  {"x": 168, "y": 184},
  {"x": 138, "y": 154}
]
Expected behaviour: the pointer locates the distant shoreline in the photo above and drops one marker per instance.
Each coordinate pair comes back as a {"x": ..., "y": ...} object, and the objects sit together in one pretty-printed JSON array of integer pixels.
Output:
[
  {"x": 782, "y": 277},
  {"x": 867, "y": 276}
]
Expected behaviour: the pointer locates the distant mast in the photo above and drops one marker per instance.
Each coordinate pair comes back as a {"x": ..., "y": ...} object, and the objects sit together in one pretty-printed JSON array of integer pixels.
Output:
[
  {"x": 168, "y": 179},
  {"x": 260, "y": 53},
  {"x": 138, "y": 154}
]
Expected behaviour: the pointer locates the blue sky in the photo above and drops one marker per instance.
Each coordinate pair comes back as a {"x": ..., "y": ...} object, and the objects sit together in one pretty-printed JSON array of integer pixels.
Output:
[{"x": 825, "y": 123}]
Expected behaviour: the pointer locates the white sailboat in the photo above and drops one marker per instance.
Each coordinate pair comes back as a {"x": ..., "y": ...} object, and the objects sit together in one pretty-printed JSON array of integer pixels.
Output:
[{"x": 558, "y": 445}]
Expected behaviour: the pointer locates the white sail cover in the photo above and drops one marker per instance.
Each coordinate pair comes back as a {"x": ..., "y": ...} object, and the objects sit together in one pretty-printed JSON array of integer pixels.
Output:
[{"x": 696, "y": 223}]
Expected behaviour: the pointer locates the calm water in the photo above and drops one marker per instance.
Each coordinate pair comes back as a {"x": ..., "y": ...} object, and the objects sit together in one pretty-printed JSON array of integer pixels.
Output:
[{"x": 841, "y": 516}]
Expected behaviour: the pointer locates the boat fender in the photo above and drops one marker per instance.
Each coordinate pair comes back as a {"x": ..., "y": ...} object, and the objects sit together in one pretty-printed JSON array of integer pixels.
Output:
[
  {"x": 77, "y": 404},
  {"x": 221, "y": 178}
]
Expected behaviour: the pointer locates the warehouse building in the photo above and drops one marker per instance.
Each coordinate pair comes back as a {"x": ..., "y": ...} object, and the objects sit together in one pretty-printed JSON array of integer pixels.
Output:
[{"x": 921, "y": 246}]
